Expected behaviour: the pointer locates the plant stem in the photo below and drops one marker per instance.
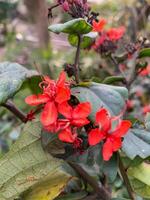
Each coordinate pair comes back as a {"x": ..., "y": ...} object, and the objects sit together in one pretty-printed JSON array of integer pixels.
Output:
[
  {"x": 101, "y": 192},
  {"x": 18, "y": 113},
  {"x": 125, "y": 178},
  {"x": 76, "y": 62}
]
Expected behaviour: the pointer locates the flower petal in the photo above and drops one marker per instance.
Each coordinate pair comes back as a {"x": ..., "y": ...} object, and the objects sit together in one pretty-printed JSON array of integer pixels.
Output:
[
  {"x": 117, "y": 143},
  {"x": 35, "y": 100},
  {"x": 95, "y": 136},
  {"x": 103, "y": 119},
  {"x": 116, "y": 33},
  {"x": 65, "y": 109},
  {"x": 60, "y": 124},
  {"x": 82, "y": 110},
  {"x": 80, "y": 122},
  {"x": 49, "y": 114},
  {"x": 62, "y": 94},
  {"x": 62, "y": 79},
  {"x": 98, "y": 26},
  {"x": 67, "y": 136},
  {"x": 107, "y": 150},
  {"x": 122, "y": 128}
]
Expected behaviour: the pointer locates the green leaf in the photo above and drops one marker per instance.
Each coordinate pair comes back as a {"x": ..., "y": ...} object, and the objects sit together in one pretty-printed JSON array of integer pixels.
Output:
[
  {"x": 100, "y": 95},
  {"x": 144, "y": 53},
  {"x": 73, "y": 196},
  {"x": 139, "y": 178},
  {"x": 75, "y": 26},
  {"x": 137, "y": 143},
  {"x": 12, "y": 76},
  {"x": 87, "y": 39},
  {"x": 113, "y": 79},
  {"x": 147, "y": 121},
  {"x": 27, "y": 169}
]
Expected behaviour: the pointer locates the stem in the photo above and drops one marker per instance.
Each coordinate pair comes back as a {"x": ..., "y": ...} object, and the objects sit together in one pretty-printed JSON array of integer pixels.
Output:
[
  {"x": 101, "y": 192},
  {"x": 11, "y": 107},
  {"x": 76, "y": 62},
  {"x": 125, "y": 178}
]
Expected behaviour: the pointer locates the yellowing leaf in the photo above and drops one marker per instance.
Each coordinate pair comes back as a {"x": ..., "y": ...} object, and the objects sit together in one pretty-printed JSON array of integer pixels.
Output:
[
  {"x": 28, "y": 168},
  {"x": 49, "y": 189},
  {"x": 140, "y": 181}
]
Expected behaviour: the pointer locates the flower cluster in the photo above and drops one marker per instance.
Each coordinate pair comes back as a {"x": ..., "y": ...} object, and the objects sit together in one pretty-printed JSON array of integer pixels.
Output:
[
  {"x": 60, "y": 116},
  {"x": 106, "y": 41},
  {"x": 76, "y": 8},
  {"x": 54, "y": 98}
]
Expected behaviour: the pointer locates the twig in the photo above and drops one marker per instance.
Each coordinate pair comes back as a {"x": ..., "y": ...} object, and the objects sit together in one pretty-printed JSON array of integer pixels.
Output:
[
  {"x": 76, "y": 62},
  {"x": 18, "y": 113},
  {"x": 101, "y": 192},
  {"x": 125, "y": 178}
]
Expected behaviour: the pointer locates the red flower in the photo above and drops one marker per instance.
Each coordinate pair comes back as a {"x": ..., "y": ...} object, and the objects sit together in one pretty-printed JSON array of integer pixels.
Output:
[
  {"x": 100, "y": 40},
  {"x": 145, "y": 71},
  {"x": 146, "y": 109},
  {"x": 98, "y": 26},
  {"x": 54, "y": 93},
  {"x": 116, "y": 33},
  {"x": 74, "y": 118},
  {"x": 130, "y": 104},
  {"x": 112, "y": 138}
]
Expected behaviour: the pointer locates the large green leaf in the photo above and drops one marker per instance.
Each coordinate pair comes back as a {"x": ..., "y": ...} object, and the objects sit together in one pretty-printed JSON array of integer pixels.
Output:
[
  {"x": 137, "y": 143},
  {"x": 27, "y": 169},
  {"x": 12, "y": 76},
  {"x": 75, "y": 26},
  {"x": 140, "y": 181},
  {"x": 144, "y": 53},
  {"x": 87, "y": 39},
  {"x": 100, "y": 95}
]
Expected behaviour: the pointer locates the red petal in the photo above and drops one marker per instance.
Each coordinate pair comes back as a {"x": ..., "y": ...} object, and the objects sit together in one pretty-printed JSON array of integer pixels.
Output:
[
  {"x": 107, "y": 150},
  {"x": 67, "y": 136},
  {"x": 63, "y": 94},
  {"x": 95, "y": 136},
  {"x": 62, "y": 79},
  {"x": 57, "y": 126},
  {"x": 98, "y": 26},
  {"x": 82, "y": 110},
  {"x": 116, "y": 33},
  {"x": 122, "y": 128},
  {"x": 80, "y": 122},
  {"x": 116, "y": 144},
  {"x": 49, "y": 114},
  {"x": 103, "y": 119},
  {"x": 65, "y": 109},
  {"x": 35, "y": 100}
]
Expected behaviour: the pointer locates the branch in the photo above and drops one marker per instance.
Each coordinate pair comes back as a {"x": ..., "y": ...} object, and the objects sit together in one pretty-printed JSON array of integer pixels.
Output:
[
  {"x": 125, "y": 178},
  {"x": 101, "y": 192},
  {"x": 76, "y": 62},
  {"x": 18, "y": 113}
]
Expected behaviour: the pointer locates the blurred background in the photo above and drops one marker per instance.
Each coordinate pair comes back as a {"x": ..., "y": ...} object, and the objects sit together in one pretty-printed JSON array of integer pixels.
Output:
[{"x": 24, "y": 38}]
